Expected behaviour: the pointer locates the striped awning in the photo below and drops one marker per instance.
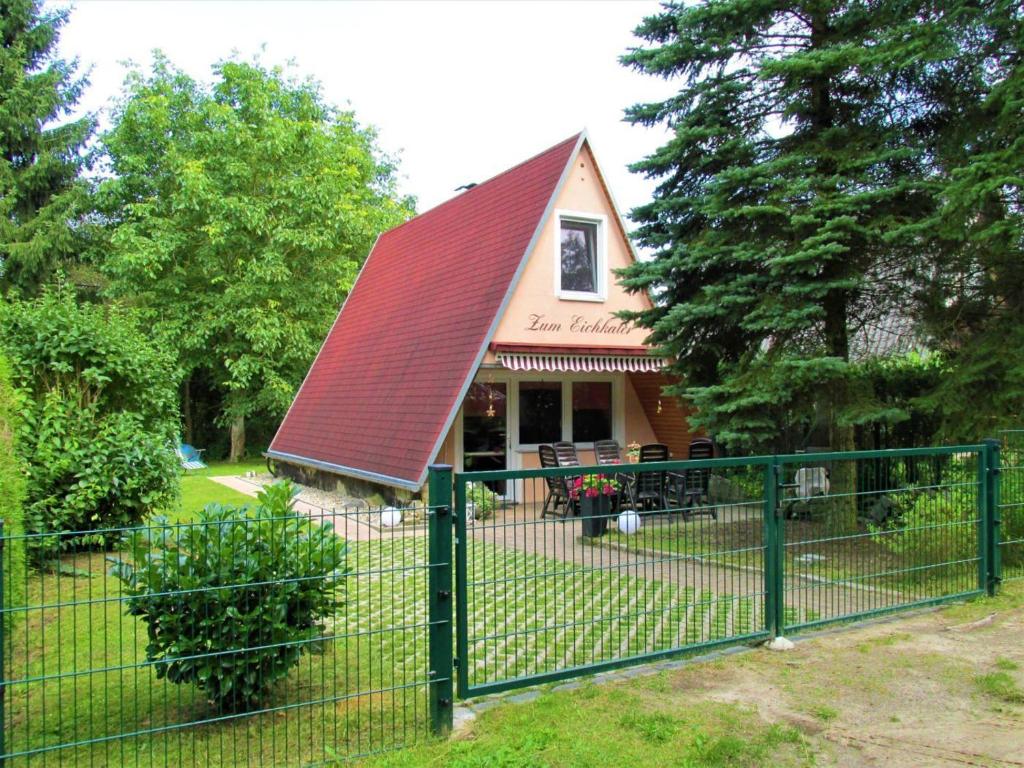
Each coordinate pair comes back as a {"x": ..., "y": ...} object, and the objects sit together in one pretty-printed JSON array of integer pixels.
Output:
[{"x": 561, "y": 363}]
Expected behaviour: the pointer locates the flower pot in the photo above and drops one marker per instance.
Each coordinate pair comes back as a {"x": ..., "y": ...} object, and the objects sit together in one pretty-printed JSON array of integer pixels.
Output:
[{"x": 595, "y": 511}]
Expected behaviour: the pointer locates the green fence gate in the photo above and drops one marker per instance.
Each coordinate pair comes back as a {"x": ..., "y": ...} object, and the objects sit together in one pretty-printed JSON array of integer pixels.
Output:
[
  {"x": 1010, "y": 506},
  {"x": 679, "y": 556}
]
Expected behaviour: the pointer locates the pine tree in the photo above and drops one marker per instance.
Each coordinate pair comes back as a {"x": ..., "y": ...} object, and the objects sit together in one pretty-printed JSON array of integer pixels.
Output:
[
  {"x": 972, "y": 294},
  {"x": 789, "y": 200},
  {"x": 41, "y": 148}
]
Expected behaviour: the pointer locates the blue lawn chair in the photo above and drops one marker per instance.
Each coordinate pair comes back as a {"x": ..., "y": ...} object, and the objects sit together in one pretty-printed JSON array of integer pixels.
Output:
[{"x": 190, "y": 457}]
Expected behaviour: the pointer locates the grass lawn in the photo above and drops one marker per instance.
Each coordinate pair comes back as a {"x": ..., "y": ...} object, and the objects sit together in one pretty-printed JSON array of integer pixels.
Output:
[
  {"x": 198, "y": 490},
  {"x": 646, "y": 721},
  {"x": 815, "y": 553}
]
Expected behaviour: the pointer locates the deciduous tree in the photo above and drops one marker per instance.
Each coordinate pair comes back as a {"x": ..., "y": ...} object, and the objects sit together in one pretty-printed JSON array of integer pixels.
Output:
[{"x": 240, "y": 214}]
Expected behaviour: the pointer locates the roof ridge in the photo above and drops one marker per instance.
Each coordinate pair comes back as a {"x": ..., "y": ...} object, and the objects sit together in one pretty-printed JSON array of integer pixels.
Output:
[{"x": 571, "y": 140}]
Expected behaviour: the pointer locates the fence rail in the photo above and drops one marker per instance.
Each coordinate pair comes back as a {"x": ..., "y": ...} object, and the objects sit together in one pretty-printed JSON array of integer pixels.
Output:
[
  {"x": 342, "y": 636},
  {"x": 675, "y": 556},
  {"x": 89, "y": 663},
  {"x": 1010, "y": 506}
]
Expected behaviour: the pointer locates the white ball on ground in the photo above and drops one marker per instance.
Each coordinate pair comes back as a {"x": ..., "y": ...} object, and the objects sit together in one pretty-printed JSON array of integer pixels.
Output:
[
  {"x": 629, "y": 522},
  {"x": 390, "y": 517}
]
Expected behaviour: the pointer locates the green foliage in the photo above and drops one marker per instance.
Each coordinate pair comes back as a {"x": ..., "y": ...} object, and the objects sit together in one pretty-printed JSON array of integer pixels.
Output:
[
  {"x": 483, "y": 499},
  {"x": 240, "y": 213},
  {"x": 937, "y": 526},
  {"x": 1011, "y": 513},
  {"x": 99, "y": 420},
  {"x": 972, "y": 297},
  {"x": 833, "y": 169},
  {"x": 233, "y": 600},
  {"x": 40, "y": 148},
  {"x": 93, "y": 470},
  {"x": 981, "y": 389},
  {"x": 12, "y": 495},
  {"x": 897, "y": 414}
]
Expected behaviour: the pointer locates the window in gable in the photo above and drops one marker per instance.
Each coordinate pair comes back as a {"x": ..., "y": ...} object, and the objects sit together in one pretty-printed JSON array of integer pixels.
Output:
[{"x": 580, "y": 258}]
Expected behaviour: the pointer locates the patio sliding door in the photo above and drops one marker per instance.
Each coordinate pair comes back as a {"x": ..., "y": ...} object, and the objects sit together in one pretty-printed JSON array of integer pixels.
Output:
[{"x": 485, "y": 430}]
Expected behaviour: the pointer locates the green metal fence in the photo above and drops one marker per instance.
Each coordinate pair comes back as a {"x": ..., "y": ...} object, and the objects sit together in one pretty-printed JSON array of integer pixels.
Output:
[
  {"x": 1010, "y": 504},
  {"x": 682, "y": 555},
  {"x": 79, "y": 687},
  {"x": 554, "y": 573},
  {"x": 541, "y": 600}
]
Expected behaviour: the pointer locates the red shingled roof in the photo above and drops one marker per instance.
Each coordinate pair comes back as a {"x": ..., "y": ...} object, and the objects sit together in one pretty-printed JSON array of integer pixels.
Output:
[{"x": 386, "y": 384}]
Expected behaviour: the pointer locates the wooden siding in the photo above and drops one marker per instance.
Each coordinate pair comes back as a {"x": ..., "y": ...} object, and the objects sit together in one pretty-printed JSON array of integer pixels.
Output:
[{"x": 671, "y": 425}]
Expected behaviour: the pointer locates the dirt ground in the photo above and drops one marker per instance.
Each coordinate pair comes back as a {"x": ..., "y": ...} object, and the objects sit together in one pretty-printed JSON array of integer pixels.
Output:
[{"x": 939, "y": 688}]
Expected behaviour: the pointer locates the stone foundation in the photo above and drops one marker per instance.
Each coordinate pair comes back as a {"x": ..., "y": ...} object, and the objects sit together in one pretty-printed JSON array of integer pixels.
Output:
[{"x": 376, "y": 494}]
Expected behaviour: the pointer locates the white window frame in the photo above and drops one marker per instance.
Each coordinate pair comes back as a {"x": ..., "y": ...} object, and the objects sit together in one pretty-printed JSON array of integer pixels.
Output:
[
  {"x": 601, "y": 257},
  {"x": 617, "y": 381}
]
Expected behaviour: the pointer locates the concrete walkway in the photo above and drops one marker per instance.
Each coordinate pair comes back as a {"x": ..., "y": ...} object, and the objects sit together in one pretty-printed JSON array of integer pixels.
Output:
[
  {"x": 562, "y": 540},
  {"x": 522, "y": 529},
  {"x": 354, "y": 525}
]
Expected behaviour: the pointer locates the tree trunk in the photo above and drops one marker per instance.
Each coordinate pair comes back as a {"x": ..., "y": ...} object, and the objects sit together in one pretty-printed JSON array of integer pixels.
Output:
[
  {"x": 186, "y": 409},
  {"x": 237, "y": 439}
]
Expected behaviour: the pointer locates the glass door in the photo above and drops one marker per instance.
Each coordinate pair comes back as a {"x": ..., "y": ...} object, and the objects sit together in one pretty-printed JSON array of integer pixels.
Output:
[{"x": 485, "y": 430}]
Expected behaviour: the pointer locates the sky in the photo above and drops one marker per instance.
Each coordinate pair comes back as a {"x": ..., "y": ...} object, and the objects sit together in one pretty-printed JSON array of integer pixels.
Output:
[{"x": 458, "y": 91}]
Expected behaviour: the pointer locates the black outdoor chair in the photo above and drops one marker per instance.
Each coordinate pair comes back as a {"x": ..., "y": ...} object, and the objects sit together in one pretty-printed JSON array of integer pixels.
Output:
[
  {"x": 608, "y": 453},
  {"x": 649, "y": 490},
  {"x": 697, "y": 480},
  {"x": 558, "y": 494},
  {"x": 692, "y": 490},
  {"x": 566, "y": 453}
]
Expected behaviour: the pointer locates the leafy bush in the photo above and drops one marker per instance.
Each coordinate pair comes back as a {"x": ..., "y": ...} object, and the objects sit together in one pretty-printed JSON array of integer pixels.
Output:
[
  {"x": 937, "y": 527},
  {"x": 92, "y": 471},
  {"x": 100, "y": 414},
  {"x": 232, "y": 600},
  {"x": 12, "y": 494},
  {"x": 483, "y": 499},
  {"x": 1011, "y": 511}
]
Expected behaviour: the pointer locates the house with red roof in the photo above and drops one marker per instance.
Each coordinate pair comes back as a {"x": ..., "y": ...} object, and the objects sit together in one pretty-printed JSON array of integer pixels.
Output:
[{"x": 477, "y": 331}]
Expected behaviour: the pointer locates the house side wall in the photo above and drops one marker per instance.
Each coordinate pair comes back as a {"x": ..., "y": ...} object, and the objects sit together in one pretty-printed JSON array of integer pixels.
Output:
[{"x": 671, "y": 426}]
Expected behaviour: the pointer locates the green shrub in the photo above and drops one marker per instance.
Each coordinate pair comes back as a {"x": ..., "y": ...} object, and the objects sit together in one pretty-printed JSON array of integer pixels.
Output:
[
  {"x": 100, "y": 415},
  {"x": 232, "y": 600},
  {"x": 483, "y": 499},
  {"x": 1011, "y": 510},
  {"x": 93, "y": 471},
  {"x": 12, "y": 494},
  {"x": 937, "y": 527}
]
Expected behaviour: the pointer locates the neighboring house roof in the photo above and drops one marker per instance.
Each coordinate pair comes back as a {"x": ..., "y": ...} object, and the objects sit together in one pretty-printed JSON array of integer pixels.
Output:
[
  {"x": 386, "y": 385},
  {"x": 890, "y": 335}
]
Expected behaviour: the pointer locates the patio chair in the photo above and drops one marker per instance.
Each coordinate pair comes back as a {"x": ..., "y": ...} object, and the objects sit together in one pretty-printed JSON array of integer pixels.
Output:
[
  {"x": 566, "y": 453},
  {"x": 608, "y": 453},
  {"x": 697, "y": 480},
  {"x": 649, "y": 488},
  {"x": 691, "y": 491},
  {"x": 558, "y": 487},
  {"x": 190, "y": 457}
]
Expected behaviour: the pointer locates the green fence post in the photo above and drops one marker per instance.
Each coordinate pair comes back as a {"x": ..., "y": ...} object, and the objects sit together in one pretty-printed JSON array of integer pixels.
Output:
[
  {"x": 461, "y": 592},
  {"x": 440, "y": 587},
  {"x": 773, "y": 582},
  {"x": 992, "y": 520}
]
